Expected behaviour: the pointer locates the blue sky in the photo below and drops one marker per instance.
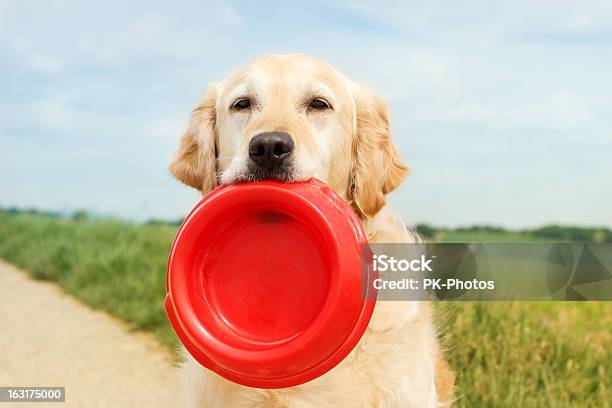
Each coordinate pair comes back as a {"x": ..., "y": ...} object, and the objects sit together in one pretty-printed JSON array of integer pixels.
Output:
[{"x": 503, "y": 112}]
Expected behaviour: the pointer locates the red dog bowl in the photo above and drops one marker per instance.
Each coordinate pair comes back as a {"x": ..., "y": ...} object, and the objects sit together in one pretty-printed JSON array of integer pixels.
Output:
[{"x": 265, "y": 282}]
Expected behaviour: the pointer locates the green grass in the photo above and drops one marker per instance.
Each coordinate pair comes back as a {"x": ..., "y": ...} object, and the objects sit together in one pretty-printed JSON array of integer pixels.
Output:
[
  {"x": 521, "y": 354},
  {"x": 485, "y": 236},
  {"x": 110, "y": 265},
  {"x": 530, "y": 354}
]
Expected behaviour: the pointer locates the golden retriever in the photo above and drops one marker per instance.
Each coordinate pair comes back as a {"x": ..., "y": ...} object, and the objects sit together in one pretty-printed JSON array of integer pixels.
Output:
[{"x": 293, "y": 117}]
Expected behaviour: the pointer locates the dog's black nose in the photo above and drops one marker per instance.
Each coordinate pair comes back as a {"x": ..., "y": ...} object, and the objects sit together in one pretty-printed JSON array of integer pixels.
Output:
[{"x": 269, "y": 149}]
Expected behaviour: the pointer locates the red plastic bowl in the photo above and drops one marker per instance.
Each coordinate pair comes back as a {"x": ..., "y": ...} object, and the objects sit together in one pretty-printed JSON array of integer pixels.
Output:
[{"x": 265, "y": 282}]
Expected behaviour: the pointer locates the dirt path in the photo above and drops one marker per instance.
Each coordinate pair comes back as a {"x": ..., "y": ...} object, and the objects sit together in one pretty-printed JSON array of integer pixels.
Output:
[{"x": 49, "y": 339}]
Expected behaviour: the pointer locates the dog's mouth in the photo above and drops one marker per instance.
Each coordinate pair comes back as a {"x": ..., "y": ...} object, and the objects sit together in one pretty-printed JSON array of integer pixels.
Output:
[{"x": 284, "y": 173}]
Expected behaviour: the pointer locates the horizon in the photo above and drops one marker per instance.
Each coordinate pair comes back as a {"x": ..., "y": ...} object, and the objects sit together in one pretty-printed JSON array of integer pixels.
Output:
[{"x": 110, "y": 217}]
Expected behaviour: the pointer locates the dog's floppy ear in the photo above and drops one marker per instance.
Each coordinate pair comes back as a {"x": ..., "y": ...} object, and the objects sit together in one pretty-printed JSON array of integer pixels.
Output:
[
  {"x": 377, "y": 168},
  {"x": 196, "y": 161}
]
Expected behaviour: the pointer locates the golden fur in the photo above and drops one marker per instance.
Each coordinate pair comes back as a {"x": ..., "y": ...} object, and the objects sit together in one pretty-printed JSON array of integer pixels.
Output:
[{"x": 398, "y": 362}]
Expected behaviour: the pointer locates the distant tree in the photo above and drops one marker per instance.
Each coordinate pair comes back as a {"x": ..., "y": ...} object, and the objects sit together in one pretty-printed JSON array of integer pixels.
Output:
[
  {"x": 159, "y": 221},
  {"x": 549, "y": 231},
  {"x": 426, "y": 231},
  {"x": 577, "y": 234},
  {"x": 582, "y": 234},
  {"x": 477, "y": 228},
  {"x": 80, "y": 215}
]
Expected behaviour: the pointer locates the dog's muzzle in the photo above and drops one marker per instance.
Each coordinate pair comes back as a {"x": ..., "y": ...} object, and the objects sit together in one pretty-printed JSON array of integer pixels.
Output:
[{"x": 270, "y": 156}]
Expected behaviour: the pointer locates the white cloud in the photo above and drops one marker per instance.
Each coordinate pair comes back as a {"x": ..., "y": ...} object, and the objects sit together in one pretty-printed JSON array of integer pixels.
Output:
[
  {"x": 560, "y": 111},
  {"x": 36, "y": 60},
  {"x": 167, "y": 128},
  {"x": 54, "y": 113},
  {"x": 228, "y": 14},
  {"x": 145, "y": 38}
]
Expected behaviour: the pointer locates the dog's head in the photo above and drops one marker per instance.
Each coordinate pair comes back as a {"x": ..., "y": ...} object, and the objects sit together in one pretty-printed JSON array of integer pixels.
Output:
[{"x": 290, "y": 118}]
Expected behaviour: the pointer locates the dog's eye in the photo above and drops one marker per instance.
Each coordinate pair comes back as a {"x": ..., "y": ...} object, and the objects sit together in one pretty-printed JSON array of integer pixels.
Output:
[
  {"x": 318, "y": 104},
  {"x": 241, "y": 104}
]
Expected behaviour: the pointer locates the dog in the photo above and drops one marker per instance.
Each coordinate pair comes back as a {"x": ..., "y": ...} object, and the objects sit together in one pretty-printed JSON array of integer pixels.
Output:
[{"x": 290, "y": 118}]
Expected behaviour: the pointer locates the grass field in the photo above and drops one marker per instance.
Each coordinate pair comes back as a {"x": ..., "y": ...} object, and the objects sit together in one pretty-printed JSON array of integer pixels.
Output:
[{"x": 521, "y": 354}]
